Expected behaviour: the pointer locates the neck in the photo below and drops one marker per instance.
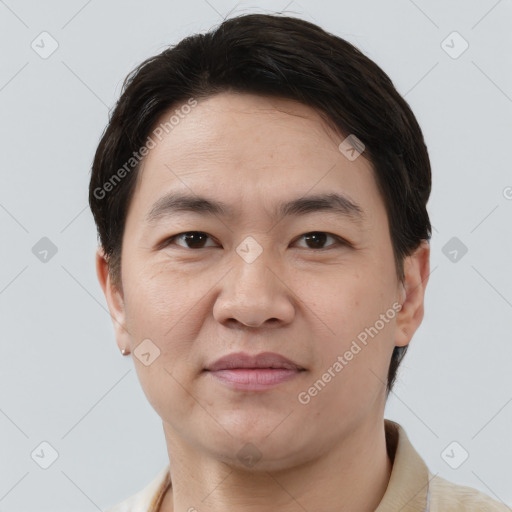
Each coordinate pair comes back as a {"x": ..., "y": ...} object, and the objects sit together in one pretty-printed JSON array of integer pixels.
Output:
[{"x": 351, "y": 476}]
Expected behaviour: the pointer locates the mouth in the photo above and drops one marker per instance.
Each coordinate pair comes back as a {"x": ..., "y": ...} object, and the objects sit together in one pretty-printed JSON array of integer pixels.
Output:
[{"x": 262, "y": 371}]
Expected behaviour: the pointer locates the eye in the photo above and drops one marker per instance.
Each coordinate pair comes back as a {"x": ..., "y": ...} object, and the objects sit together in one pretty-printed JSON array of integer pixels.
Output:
[
  {"x": 317, "y": 239},
  {"x": 190, "y": 239}
]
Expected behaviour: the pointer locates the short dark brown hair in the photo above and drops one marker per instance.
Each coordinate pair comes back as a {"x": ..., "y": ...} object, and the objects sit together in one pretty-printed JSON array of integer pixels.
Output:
[{"x": 280, "y": 56}]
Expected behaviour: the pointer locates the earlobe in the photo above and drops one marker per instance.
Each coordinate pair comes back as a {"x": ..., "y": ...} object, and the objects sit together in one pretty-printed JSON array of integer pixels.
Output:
[
  {"x": 115, "y": 301},
  {"x": 416, "y": 270}
]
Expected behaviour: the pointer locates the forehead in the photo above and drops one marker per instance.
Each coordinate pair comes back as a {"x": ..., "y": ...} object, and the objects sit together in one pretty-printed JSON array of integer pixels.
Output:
[
  {"x": 236, "y": 125},
  {"x": 249, "y": 148}
]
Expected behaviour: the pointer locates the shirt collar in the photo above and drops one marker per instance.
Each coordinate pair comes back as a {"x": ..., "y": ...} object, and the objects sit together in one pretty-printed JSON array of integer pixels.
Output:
[{"x": 407, "y": 489}]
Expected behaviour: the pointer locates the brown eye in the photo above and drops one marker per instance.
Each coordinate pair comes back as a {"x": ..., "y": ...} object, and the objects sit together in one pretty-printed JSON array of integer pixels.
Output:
[
  {"x": 317, "y": 240},
  {"x": 190, "y": 240}
]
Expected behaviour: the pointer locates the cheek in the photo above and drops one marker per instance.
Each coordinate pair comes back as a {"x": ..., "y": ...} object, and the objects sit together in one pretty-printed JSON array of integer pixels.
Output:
[
  {"x": 162, "y": 308},
  {"x": 169, "y": 308},
  {"x": 157, "y": 297},
  {"x": 346, "y": 300},
  {"x": 359, "y": 320}
]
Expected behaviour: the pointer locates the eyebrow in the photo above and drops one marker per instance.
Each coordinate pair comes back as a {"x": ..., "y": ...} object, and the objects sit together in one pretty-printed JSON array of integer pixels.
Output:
[{"x": 176, "y": 202}]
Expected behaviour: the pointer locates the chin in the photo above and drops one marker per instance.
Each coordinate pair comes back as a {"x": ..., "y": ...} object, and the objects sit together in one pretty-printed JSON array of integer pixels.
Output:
[
  {"x": 265, "y": 456},
  {"x": 261, "y": 447}
]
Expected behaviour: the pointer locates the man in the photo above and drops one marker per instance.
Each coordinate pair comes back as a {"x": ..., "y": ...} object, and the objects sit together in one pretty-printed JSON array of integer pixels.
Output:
[{"x": 260, "y": 194}]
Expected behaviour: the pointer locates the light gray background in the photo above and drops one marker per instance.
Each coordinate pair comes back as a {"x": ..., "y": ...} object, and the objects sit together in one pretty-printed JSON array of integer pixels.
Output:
[{"x": 62, "y": 379}]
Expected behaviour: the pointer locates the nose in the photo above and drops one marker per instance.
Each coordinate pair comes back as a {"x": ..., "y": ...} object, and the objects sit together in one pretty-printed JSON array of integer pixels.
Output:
[{"x": 254, "y": 294}]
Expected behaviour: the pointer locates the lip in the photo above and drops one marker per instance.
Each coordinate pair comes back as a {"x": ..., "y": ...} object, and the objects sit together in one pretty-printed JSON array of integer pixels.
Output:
[
  {"x": 259, "y": 372},
  {"x": 242, "y": 360}
]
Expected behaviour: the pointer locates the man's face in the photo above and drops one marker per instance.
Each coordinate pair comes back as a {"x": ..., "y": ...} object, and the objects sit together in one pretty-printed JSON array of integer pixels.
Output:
[{"x": 252, "y": 281}]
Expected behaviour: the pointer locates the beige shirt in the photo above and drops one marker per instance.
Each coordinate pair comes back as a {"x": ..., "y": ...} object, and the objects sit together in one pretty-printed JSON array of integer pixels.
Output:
[{"x": 411, "y": 488}]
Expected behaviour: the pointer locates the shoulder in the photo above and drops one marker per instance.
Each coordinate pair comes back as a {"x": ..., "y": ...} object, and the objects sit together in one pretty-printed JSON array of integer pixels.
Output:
[
  {"x": 446, "y": 496},
  {"x": 148, "y": 498}
]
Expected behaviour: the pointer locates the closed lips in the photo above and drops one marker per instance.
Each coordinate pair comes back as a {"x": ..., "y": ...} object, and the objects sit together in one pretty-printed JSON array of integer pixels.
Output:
[{"x": 264, "y": 360}]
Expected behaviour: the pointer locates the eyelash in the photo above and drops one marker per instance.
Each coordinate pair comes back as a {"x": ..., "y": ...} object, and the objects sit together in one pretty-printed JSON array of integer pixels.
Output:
[{"x": 338, "y": 240}]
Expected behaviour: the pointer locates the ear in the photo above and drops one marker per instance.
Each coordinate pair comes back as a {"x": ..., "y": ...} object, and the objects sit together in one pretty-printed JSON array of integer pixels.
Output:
[
  {"x": 115, "y": 301},
  {"x": 416, "y": 271}
]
